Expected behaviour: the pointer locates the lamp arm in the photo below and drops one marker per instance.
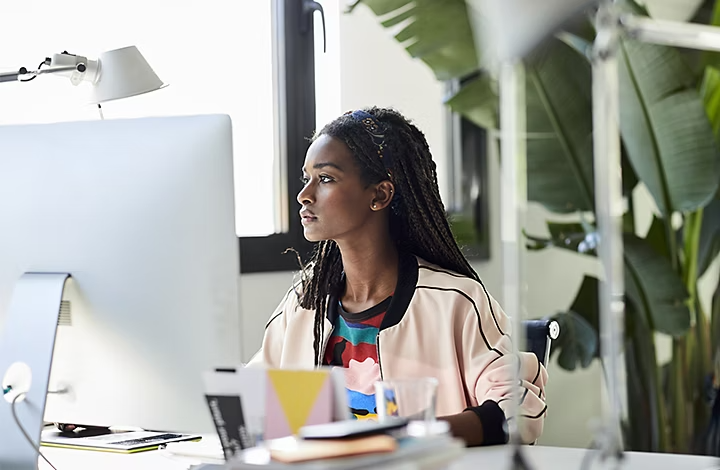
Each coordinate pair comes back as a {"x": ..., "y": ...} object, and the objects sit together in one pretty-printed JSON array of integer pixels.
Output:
[
  {"x": 22, "y": 72},
  {"x": 13, "y": 76}
]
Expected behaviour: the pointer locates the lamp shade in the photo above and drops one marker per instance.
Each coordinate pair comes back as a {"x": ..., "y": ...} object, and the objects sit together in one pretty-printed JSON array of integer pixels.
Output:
[
  {"x": 510, "y": 29},
  {"x": 123, "y": 73}
]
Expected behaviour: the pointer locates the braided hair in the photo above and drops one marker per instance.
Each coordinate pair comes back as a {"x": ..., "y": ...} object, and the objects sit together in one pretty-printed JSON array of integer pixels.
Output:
[{"x": 418, "y": 222}]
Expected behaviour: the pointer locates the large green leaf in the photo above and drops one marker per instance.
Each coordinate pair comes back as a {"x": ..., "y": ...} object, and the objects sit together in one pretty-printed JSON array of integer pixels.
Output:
[
  {"x": 665, "y": 128},
  {"x": 477, "y": 101},
  {"x": 436, "y": 32},
  {"x": 651, "y": 282},
  {"x": 715, "y": 320},
  {"x": 710, "y": 91},
  {"x": 559, "y": 127},
  {"x": 709, "y": 236},
  {"x": 655, "y": 289},
  {"x": 646, "y": 413},
  {"x": 570, "y": 236},
  {"x": 577, "y": 343},
  {"x": 706, "y": 58},
  {"x": 657, "y": 237},
  {"x": 629, "y": 178},
  {"x": 578, "y": 340},
  {"x": 577, "y": 237},
  {"x": 709, "y": 239},
  {"x": 586, "y": 302}
]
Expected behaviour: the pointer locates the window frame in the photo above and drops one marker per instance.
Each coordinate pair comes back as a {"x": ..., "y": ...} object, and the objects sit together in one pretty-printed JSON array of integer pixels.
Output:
[
  {"x": 465, "y": 141},
  {"x": 296, "y": 124}
]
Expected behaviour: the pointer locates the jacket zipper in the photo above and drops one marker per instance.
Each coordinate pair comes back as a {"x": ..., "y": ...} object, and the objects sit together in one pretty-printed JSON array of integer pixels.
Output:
[{"x": 377, "y": 349}]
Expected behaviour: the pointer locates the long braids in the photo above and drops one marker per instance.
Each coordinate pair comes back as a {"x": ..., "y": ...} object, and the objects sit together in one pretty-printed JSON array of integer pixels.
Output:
[{"x": 418, "y": 222}]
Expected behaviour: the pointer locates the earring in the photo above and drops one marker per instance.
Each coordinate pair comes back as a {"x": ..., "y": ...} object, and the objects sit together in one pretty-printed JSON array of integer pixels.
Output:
[{"x": 374, "y": 206}]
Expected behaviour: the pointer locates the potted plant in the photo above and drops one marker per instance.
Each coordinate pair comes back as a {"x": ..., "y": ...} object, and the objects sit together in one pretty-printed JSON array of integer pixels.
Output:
[{"x": 670, "y": 122}]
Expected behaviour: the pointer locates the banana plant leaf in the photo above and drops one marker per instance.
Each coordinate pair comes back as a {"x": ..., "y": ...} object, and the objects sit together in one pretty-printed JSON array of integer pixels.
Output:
[
  {"x": 709, "y": 243},
  {"x": 477, "y": 101},
  {"x": 651, "y": 282},
  {"x": 715, "y": 321},
  {"x": 577, "y": 343},
  {"x": 646, "y": 410},
  {"x": 438, "y": 33},
  {"x": 559, "y": 127},
  {"x": 708, "y": 58},
  {"x": 577, "y": 237},
  {"x": 709, "y": 236},
  {"x": 710, "y": 91},
  {"x": 657, "y": 237},
  {"x": 578, "y": 340},
  {"x": 655, "y": 289},
  {"x": 559, "y": 124},
  {"x": 665, "y": 128}
]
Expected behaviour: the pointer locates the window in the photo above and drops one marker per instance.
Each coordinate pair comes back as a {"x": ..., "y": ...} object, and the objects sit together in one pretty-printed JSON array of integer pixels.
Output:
[
  {"x": 327, "y": 63},
  {"x": 296, "y": 60},
  {"x": 217, "y": 56},
  {"x": 468, "y": 202},
  {"x": 199, "y": 49}
]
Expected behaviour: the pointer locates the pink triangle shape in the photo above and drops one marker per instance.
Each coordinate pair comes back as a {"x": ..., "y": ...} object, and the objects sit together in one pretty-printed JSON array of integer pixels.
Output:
[
  {"x": 322, "y": 410},
  {"x": 276, "y": 424}
]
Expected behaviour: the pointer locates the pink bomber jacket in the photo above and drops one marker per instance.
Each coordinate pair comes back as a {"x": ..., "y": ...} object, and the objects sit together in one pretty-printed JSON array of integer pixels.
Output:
[{"x": 439, "y": 324}]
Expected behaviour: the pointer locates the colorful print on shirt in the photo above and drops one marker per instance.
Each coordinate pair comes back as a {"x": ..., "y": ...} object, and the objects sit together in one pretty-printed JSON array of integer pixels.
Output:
[{"x": 353, "y": 345}]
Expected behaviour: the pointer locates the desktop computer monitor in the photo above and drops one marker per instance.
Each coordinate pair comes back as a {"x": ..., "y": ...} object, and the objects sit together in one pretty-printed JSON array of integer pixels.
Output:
[{"x": 140, "y": 213}]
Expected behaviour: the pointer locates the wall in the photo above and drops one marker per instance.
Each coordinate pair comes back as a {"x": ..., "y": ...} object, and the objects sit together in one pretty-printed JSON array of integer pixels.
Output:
[{"x": 375, "y": 70}]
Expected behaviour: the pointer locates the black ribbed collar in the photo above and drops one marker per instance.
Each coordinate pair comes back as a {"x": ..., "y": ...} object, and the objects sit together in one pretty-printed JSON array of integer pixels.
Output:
[{"x": 407, "y": 280}]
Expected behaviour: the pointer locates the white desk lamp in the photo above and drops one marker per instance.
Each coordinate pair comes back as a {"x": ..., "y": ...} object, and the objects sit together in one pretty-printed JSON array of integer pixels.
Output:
[
  {"x": 116, "y": 74},
  {"x": 35, "y": 306}
]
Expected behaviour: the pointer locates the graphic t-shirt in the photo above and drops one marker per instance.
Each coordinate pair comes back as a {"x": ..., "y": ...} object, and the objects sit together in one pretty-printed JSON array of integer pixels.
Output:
[{"x": 353, "y": 345}]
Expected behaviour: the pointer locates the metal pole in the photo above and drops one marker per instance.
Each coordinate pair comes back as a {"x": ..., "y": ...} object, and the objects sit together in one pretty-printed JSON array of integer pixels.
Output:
[
  {"x": 609, "y": 210},
  {"x": 672, "y": 33},
  {"x": 514, "y": 209}
]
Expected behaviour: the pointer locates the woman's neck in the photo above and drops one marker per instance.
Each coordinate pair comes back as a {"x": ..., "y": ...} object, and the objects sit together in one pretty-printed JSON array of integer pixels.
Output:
[{"x": 371, "y": 274}]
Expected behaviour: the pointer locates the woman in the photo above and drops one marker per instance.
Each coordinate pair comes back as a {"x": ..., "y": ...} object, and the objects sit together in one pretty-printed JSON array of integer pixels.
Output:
[{"x": 388, "y": 293}]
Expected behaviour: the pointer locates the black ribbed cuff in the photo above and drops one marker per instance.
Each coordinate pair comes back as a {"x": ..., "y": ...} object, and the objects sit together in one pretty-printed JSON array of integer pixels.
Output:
[{"x": 493, "y": 422}]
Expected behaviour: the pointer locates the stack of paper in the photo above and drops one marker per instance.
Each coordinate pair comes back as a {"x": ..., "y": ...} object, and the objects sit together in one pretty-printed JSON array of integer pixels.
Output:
[{"x": 426, "y": 453}]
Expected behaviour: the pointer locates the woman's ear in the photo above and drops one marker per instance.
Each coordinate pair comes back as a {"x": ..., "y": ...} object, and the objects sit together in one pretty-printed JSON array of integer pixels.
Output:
[{"x": 384, "y": 193}]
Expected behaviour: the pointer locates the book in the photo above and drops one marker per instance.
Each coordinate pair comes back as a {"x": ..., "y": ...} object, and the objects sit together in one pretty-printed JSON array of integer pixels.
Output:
[
  {"x": 118, "y": 441},
  {"x": 291, "y": 450},
  {"x": 427, "y": 453}
]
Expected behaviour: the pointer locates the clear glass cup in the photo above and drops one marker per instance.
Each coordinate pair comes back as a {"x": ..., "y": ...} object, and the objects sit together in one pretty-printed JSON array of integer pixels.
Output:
[{"x": 413, "y": 399}]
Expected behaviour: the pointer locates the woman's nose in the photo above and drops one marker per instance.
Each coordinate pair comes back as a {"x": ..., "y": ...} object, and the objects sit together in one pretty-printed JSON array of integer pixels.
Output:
[{"x": 305, "y": 195}]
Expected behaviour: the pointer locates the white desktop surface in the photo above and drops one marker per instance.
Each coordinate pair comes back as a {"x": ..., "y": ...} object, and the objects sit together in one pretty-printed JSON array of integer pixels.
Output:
[{"x": 496, "y": 458}]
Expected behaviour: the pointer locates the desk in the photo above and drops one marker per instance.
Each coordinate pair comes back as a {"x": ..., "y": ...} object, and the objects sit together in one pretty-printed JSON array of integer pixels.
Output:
[{"x": 494, "y": 458}]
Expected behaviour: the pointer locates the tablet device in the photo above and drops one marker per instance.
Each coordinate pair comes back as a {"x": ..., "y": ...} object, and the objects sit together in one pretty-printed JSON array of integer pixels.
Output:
[{"x": 351, "y": 428}]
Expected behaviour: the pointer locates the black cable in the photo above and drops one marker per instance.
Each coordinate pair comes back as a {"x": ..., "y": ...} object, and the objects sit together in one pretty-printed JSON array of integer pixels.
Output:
[
  {"x": 590, "y": 454},
  {"x": 34, "y": 76},
  {"x": 519, "y": 462},
  {"x": 24, "y": 433}
]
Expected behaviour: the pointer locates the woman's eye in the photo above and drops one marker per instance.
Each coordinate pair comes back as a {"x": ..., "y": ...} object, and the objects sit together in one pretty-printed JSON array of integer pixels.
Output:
[
  {"x": 325, "y": 179},
  {"x": 304, "y": 179}
]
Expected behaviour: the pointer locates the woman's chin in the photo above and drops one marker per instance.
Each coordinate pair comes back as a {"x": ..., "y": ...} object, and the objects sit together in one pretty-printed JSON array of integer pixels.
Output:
[{"x": 311, "y": 236}]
